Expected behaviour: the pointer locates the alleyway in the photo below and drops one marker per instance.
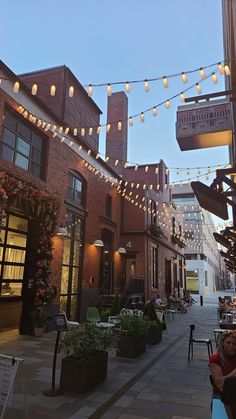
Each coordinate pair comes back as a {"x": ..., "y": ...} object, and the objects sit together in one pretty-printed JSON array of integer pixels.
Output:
[{"x": 159, "y": 384}]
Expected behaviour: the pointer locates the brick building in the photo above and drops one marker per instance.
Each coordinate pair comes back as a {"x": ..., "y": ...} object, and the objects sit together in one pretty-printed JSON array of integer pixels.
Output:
[{"x": 43, "y": 148}]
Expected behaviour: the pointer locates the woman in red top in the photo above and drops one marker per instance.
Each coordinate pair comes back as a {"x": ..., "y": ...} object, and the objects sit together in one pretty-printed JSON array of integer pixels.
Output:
[{"x": 222, "y": 364}]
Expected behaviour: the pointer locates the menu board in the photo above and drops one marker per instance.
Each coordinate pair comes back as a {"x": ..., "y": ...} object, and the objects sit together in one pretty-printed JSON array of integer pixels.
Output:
[{"x": 8, "y": 371}]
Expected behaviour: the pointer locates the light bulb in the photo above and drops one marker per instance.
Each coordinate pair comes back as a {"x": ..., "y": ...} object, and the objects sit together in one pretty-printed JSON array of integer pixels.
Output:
[
  {"x": 214, "y": 78},
  {"x": 34, "y": 89},
  {"x": 99, "y": 129},
  {"x": 154, "y": 111},
  {"x": 75, "y": 132},
  {"x": 82, "y": 132},
  {"x": 146, "y": 85},
  {"x": 142, "y": 118},
  {"x": 119, "y": 126},
  {"x": 184, "y": 77},
  {"x": 109, "y": 92},
  {"x": 202, "y": 73},
  {"x": 71, "y": 91},
  {"x": 165, "y": 82},
  {"x": 221, "y": 68},
  {"x": 127, "y": 87},
  {"x": 198, "y": 88},
  {"x": 108, "y": 127},
  {"x": 167, "y": 104},
  {"x": 53, "y": 90},
  {"x": 90, "y": 90},
  {"x": 16, "y": 87},
  {"x": 182, "y": 97},
  {"x": 227, "y": 70},
  {"x": 130, "y": 121},
  {"x": 90, "y": 131},
  {"x": 67, "y": 130}
]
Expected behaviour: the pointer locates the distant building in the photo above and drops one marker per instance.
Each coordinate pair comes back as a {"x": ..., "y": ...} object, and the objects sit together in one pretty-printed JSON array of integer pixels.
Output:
[{"x": 201, "y": 253}]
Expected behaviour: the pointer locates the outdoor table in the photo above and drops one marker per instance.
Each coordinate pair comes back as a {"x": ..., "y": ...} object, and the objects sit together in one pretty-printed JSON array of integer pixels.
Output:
[{"x": 217, "y": 333}]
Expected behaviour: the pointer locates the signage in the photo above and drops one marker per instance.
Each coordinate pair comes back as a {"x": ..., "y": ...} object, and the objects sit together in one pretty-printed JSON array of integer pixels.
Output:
[
  {"x": 60, "y": 322},
  {"x": 8, "y": 371}
]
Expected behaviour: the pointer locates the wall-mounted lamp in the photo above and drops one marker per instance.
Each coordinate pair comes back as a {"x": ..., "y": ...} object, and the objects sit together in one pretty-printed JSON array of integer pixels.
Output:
[
  {"x": 121, "y": 250},
  {"x": 61, "y": 231},
  {"x": 98, "y": 243}
]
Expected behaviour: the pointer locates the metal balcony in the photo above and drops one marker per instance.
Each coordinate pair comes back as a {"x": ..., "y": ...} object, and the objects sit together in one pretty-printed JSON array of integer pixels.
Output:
[{"x": 204, "y": 124}]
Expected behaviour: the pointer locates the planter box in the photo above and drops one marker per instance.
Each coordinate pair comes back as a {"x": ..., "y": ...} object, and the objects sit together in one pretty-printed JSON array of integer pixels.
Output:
[
  {"x": 81, "y": 376},
  {"x": 154, "y": 335},
  {"x": 131, "y": 346}
]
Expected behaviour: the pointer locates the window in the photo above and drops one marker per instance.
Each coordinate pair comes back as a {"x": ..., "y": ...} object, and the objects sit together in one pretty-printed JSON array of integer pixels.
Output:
[
  {"x": 21, "y": 145},
  {"x": 108, "y": 206},
  {"x": 13, "y": 238},
  {"x": 153, "y": 212},
  {"x": 154, "y": 266},
  {"x": 75, "y": 189},
  {"x": 71, "y": 267}
]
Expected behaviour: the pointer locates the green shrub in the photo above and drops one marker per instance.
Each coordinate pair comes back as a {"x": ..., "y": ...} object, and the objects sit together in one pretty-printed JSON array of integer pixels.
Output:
[
  {"x": 115, "y": 309},
  {"x": 131, "y": 324}
]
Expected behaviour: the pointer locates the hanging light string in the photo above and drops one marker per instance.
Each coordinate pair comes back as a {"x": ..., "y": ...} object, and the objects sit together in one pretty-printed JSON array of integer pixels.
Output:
[
  {"x": 183, "y": 74},
  {"x": 166, "y": 223},
  {"x": 63, "y": 135},
  {"x": 91, "y": 129},
  {"x": 222, "y": 67}
]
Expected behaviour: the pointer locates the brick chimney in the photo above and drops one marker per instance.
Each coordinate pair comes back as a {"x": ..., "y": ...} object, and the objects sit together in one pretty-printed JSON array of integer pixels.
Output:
[{"x": 116, "y": 140}]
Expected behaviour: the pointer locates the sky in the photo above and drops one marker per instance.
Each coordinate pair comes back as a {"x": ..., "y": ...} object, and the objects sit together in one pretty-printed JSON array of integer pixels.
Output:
[{"x": 106, "y": 41}]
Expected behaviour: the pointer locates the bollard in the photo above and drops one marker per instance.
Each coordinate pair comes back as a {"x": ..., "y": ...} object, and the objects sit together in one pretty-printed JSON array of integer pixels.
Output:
[{"x": 201, "y": 300}]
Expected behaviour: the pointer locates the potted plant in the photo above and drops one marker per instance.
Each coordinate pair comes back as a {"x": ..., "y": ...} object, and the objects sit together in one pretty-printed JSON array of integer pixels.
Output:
[
  {"x": 154, "y": 333},
  {"x": 85, "y": 364},
  {"x": 40, "y": 320},
  {"x": 132, "y": 331}
]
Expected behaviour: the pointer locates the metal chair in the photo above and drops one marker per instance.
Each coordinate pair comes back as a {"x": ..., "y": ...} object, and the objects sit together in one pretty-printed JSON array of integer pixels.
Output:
[
  {"x": 93, "y": 315},
  {"x": 193, "y": 340}
]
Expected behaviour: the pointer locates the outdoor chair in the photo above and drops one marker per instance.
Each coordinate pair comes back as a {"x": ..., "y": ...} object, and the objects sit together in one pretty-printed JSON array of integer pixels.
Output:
[
  {"x": 193, "y": 340},
  {"x": 93, "y": 315}
]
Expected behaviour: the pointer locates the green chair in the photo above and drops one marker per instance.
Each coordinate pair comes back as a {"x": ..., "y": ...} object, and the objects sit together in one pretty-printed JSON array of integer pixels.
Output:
[{"x": 93, "y": 315}]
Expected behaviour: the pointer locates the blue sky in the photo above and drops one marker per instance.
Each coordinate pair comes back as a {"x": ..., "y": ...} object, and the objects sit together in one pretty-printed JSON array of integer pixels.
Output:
[{"x": 106, "y": 41}]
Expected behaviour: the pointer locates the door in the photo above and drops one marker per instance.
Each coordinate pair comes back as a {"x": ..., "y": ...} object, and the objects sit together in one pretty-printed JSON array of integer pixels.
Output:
[{"x": 168, "y": 288}]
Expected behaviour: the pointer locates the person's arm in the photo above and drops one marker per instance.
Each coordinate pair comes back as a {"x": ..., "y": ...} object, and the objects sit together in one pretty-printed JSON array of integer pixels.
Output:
[{"x": 217, "y": 375}]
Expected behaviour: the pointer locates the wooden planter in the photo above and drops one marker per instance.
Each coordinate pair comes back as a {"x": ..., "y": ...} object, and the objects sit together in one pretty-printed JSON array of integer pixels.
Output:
[
  {"x": 154, "y": 335},
  {"x": 80, "y": 376},
  {"x": 131, "y": 346}
]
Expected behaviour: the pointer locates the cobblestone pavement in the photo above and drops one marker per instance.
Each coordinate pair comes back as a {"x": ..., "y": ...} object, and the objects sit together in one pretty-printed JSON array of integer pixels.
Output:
[{"x": 160, "y": 384}]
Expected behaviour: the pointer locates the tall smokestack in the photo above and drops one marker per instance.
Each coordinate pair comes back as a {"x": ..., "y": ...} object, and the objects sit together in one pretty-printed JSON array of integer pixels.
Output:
[{"x": 116, "y": 140}]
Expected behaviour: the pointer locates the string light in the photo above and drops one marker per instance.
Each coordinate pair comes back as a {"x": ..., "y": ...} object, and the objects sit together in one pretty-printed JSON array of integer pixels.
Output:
[
  {"x": 198, "y": 88},
  {"x": 119, "y": 126},
  {"x": 165, "y": 82},
  {"x": 127, "y": 87},
  {"x": 75, "y": 132},
  {"x": 202, "y": 73},
  {"x": 90, "y": 90},
  {"x": 221, "y": 68},
  {"x": 130, "y": 121},
  {"x": 109, "y": 92},
  {"x": 53, "y": 90},
  {"x": 167, "y": 104},
  {"x": 71, "y": 91},
  {"x": 108, "y": 127},
  {"x": 146, "y": 85},
  {"x": 99, "y": 129},
  {"x": 16, "y": 87},
  {"x": 182, "y": 97},
  {"x": 227, "y": 70},
  {"x": 184, "y": 77},
  {"x": 34, "y": 89},
  {"x": 214, "y": 78},
  {"x": 154, "y": 111},
  {"x": 142, "y": 118}
]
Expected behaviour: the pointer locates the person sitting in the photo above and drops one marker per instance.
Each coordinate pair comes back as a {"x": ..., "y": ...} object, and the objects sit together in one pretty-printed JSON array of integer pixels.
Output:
[
  {"x": 222, "y": 364},
  {"x": 158, "y": 300}
]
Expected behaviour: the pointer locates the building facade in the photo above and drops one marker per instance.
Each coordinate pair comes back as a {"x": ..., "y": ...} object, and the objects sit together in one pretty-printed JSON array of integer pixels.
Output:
[
  {"x": 52, "y": 176},
  {"x": 201, "y": 252}
]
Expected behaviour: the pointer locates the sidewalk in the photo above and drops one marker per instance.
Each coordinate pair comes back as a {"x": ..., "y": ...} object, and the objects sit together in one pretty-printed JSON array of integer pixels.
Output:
[{"x": 159, "y": 384}]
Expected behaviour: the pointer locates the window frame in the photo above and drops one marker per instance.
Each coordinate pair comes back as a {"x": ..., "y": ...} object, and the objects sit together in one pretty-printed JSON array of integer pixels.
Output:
[{"x": 17, "y": 152}]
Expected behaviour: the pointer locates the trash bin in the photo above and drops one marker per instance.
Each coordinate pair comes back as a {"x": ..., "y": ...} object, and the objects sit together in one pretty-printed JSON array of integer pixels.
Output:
[{"x": 201, "y": 300}]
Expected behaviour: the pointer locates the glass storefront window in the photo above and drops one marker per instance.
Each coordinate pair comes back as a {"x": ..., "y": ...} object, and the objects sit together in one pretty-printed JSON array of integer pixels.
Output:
[
  {"x": 18, "y": 223},
  {"x": 64, "y": 280},
  {"x": 11, "y": 289},
  {"x": 13, "y": 272},
  {"x": 15, "y": 255},
  {"x": 16, "y": 239}
]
